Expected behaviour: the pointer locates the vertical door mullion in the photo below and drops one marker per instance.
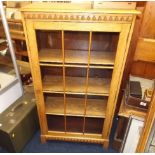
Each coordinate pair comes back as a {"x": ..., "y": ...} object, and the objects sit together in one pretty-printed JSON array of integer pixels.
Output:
[
  {"x": 64, "y": 77},
  {"x": 87, "y": 80}
]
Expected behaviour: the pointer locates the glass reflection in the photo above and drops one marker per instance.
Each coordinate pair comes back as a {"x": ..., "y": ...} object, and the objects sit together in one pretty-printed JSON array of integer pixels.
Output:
[{"x": 7, "y": 72}]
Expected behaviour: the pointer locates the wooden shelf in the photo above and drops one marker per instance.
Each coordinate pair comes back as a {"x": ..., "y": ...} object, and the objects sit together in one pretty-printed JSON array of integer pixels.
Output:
[
  {"x": 15, "y": 34},
  {"x": 51, "y": 56},
  {"x": 102, "y": 58},
  {"x": 54, "y": 105},
  {"x": 77, "y": 57},
  {"x": 75, "y": 107},
  {"x": 78, "y": 66},
  {"x": 127, "y": 111},
  {"x": 96, "y": 108},
  {"x": 76, "y": 85}
]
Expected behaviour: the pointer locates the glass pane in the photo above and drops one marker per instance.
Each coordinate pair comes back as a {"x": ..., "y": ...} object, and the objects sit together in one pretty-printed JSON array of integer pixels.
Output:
[
  {"x": 54, "y": 103},
  {"x": 55, "y": 123},
  {"x": 99, "y": 81},
  {"x": 49, "y": 46},
  {"x": 7, "y": 72},
  {"x": 75, "y": 105},
  {"x": 52, "y": 79},
  {"x": 94, "y": 125},
  {"x": 76, "y": 47},
  {"x": 103, "y": 48},
  {"x": 74, "y": 124},
  {"x": 75, "y": 80},
  {"x": 96, "y": 106}
]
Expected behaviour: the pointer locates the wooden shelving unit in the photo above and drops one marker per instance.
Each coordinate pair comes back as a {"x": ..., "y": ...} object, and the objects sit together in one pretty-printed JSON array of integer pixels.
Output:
[
  {"x": 77, "y": 58},
  {"x": 16, "y": 29}
]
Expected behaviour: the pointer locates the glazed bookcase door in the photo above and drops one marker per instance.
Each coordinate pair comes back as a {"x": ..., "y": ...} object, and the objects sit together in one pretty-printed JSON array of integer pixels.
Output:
[{"x": 77, "y": 70}]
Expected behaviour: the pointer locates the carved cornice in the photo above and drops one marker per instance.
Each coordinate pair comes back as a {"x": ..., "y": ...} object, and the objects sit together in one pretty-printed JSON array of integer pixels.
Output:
[{"x": 79, "y": 17}]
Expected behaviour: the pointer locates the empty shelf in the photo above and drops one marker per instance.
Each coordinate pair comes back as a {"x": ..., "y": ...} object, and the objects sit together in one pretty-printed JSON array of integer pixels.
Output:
[
  {"x": 77, "y": 57},
  {"x": 96, "y": 108},
  {"x": 49, "y": 55},
  {"x": 76, "y": 85},
  {"x": 76, "y": 106}
]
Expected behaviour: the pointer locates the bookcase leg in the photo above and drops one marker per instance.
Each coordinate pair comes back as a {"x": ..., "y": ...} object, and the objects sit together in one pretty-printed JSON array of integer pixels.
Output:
[
  {"x": 106, "y": 144},
  {"x": 43, "y": 139}
]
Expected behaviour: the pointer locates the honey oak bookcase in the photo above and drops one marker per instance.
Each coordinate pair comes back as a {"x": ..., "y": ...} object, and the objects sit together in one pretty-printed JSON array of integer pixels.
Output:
[{"x": 77, "y": 56}]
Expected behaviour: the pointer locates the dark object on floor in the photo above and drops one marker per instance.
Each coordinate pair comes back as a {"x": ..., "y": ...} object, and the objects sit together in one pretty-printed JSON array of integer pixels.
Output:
[
  {"x": 18, "y": 123},
  {"x": 135, "y": 89},
  {"x": 133, "y": 95}
]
